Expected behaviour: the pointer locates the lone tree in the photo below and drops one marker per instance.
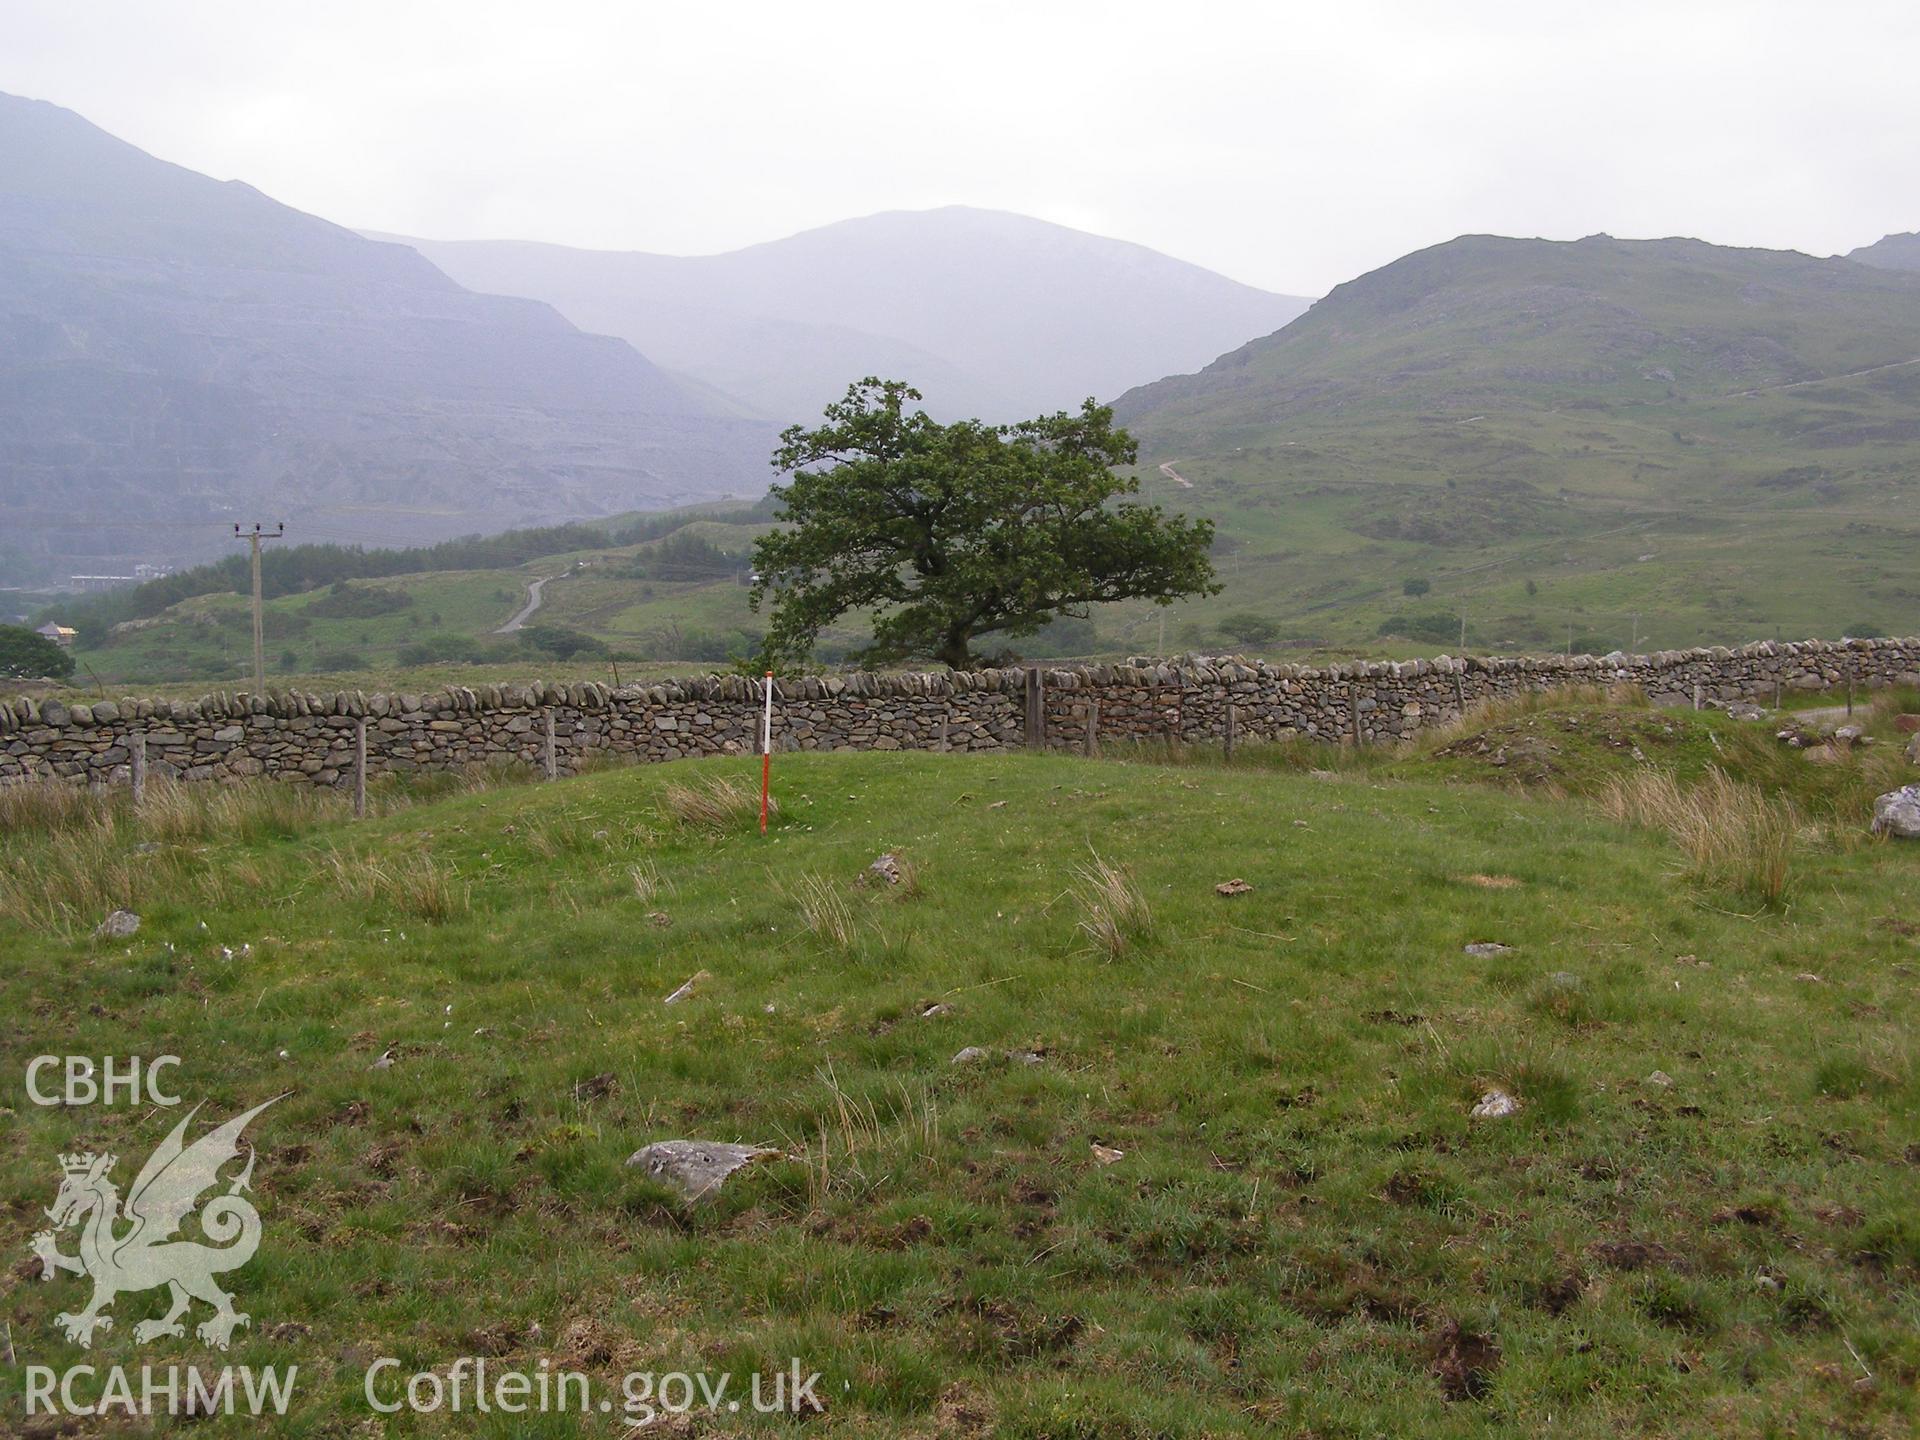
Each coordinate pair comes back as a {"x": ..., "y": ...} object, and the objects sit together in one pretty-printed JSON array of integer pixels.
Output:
[
  {"x": 951, "y": 532},
  {"x": 25, "y": 653}
]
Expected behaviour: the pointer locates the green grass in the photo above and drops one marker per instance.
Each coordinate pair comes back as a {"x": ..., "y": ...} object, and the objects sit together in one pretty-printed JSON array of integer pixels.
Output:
[{"x": 1306, "y": 1231}]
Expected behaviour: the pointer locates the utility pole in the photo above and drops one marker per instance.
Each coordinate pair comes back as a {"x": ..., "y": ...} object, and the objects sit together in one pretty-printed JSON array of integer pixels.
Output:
[{"x": 253, "y": 538}]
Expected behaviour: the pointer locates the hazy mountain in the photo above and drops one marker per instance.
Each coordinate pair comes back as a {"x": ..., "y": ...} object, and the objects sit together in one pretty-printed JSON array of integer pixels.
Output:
[
  {"x": 988, "y": 313},
  {"x": 1891, "y": 252},
  {"x": 176, "y": 352}
]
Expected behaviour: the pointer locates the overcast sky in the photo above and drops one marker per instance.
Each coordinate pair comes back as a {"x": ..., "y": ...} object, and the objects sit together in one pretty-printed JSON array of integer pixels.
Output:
[{"x": 1290, "y": 146}]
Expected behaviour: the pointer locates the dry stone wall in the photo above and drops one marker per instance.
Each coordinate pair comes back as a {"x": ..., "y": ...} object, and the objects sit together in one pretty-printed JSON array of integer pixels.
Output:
[{"x": 311, "y": 738}]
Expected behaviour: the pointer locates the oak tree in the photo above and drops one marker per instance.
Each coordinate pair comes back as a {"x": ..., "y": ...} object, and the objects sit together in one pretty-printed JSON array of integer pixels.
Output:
[{"x": 946, "y": 533}]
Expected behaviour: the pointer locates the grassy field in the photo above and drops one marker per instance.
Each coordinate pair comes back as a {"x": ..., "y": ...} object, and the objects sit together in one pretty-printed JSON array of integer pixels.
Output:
[{"x": 1215, "y": 1172}]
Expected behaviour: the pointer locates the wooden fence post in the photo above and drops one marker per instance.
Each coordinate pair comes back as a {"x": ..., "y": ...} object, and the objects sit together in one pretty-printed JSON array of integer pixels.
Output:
[
  {"x": 1092, "y": 743},
  {"x": 1353, "y": 711},
  {"x": 1233, "y": 717},
  {"x": 360, "y": 769},
  {"x": 1696, "y": 694},
  {"x": 139, "y": 769},
  {"x": 1036, "y": 709},
  {"x": 1849, "y": 687},
  {"x": 552, "y": 761}
]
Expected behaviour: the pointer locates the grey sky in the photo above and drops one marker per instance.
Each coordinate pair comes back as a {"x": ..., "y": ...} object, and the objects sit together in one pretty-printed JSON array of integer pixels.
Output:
[{"x": 1287, "y": 145}]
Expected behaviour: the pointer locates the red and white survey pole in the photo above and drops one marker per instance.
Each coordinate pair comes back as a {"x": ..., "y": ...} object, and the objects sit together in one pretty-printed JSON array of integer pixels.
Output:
[{"x": 766, "y": 753}]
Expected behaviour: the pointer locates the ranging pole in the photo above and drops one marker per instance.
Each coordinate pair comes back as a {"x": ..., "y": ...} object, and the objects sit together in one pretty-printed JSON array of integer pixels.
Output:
[
  {"x": 253, "y": 538},
  {"x": 766, "y": 753}
]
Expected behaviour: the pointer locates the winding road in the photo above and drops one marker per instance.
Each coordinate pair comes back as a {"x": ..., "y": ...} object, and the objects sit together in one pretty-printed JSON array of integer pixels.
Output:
[{"x": 526, "y": 611}]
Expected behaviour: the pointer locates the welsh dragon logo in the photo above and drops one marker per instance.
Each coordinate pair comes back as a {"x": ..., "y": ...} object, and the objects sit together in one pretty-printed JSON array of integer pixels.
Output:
[{"x": 124, "y": 1251}]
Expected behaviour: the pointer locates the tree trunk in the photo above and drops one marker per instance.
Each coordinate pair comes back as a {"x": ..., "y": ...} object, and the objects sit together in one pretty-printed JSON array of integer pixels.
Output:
[{"x": 953, "y": 652}]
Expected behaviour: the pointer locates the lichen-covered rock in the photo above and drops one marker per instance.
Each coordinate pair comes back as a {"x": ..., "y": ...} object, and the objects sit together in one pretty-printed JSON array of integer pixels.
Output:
[
  {"x": 1897, "y": 813},
  {"x": 696, "y": 1168},
  {"x": 120, "y": 925}
]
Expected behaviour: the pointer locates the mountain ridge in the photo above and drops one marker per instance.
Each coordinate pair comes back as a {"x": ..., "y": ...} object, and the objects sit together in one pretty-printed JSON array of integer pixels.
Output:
[
  {"x": 1899, "y": 251},
  {"x": 988, "y": 312},
  {"x": 178, "y": 350}
]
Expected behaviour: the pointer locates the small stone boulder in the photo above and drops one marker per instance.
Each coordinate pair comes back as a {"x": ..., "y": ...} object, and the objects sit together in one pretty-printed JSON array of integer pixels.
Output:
[
  {"x": 1897, "y": 813},
  {"x": 120, "y": 925},
  {"x": 1496, "y": 1104},
  {"x": 696, "y": 1168}
]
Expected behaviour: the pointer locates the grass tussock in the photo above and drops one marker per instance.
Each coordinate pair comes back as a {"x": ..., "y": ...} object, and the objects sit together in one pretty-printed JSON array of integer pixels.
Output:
[
  {"x": 824, "y": 911},
  {"x": 413, "y": 884},
  {"x": 857, "y": 1142},
  {"x": 77, "y": 879},
  {"x": 50, "y": 808},
  {"x": 715, "y": 803},
  {"x": 1895, "y": 700},
  {"x": 1735, "y": 836},
  {"x": 649, "y": 884},
  {"x": 1113, "y": 911},
  {"x": 179, "y": 812}
]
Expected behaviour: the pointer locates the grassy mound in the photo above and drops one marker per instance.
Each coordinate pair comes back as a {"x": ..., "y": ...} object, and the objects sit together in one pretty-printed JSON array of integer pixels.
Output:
[{"x": 1213, "y": 1172}]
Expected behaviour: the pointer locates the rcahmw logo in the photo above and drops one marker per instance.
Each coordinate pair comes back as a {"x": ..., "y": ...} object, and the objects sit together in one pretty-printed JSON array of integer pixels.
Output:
[{"x": 125, "y": 1249}]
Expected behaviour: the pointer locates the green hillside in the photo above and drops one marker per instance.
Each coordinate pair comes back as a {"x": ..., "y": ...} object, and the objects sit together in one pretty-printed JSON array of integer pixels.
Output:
[{"x": 1723, "y": 442}]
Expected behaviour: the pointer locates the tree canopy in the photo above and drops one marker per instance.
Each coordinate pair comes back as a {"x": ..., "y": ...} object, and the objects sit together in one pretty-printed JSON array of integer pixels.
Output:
[
  {"x": 948, "y": 533},
  {"x": 26, "y": 654}
]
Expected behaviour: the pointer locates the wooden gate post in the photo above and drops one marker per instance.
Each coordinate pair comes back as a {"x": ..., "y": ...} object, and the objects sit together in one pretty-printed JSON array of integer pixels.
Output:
[
  {"x": 552, "y": 761},
  {"x": 139, "y": 769},
  {"x": 1036, "y": 710},
  {"x": 360, "y": 769}
]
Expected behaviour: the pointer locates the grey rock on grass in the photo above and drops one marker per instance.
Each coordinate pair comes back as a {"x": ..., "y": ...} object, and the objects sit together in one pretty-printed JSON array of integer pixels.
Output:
[
  {"x": 1494, "y": 1105},
  {"x": 696, "y": 1168},
  {"x": 118, "y": 926},
  {"x": 1897, "y": 813}
]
